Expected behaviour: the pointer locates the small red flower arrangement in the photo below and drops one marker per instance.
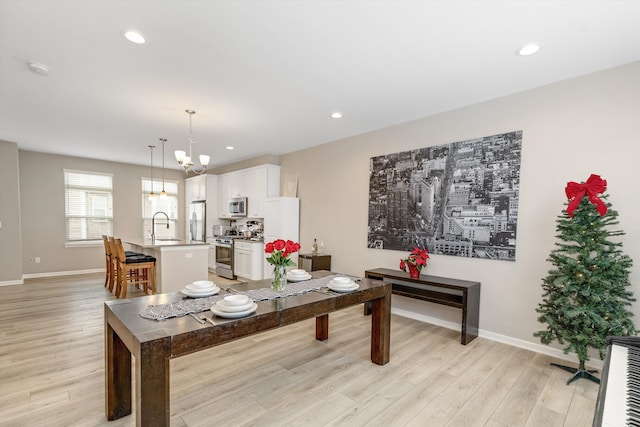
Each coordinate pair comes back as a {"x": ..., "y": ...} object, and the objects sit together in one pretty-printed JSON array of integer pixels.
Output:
[
  {"x": 415, "y": 261},
  {"x": 280, "y": 251}
]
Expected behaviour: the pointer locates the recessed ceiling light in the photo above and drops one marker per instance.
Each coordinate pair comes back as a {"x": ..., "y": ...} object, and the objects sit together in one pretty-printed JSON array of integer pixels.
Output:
[
  {"x": 39, "y": 68},
  {"x": 529, "y": 49},
  {"x": 135, "y": 37},
  {"x": 230, "y": 148},
  {"x": 336, "y": 115}
]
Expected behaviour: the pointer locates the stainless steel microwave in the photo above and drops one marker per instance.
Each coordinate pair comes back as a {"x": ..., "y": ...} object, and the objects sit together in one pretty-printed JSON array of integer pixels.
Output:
[{"x": 238, "y": 207}]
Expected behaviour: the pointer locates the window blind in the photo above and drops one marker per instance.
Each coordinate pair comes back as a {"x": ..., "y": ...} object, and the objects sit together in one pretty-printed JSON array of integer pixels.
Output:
[
  {"x": 88, "y": 205},
  {"x": 157, "y": 204}
]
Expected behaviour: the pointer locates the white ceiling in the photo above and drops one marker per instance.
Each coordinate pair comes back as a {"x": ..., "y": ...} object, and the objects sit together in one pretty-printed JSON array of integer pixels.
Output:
[{"x": 264, "y": 76}]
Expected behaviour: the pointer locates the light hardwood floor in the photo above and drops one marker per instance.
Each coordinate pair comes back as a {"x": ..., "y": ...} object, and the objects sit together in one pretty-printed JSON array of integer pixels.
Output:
[{"x": 52, "y": 372}]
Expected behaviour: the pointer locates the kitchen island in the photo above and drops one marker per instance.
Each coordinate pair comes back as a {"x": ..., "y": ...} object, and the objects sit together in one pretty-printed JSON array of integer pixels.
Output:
[{"x": 178, "y": 262}]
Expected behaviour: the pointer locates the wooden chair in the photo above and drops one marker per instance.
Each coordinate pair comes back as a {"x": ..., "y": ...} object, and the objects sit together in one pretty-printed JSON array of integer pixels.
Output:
[
  {"x": 113, "y": 259},
  {"x": 109, "y": 264},
  {"x": 135, "y": 270}
]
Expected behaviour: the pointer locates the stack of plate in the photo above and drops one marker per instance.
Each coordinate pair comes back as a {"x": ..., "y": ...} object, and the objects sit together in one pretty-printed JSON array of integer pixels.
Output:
[
  {"x": 342, "y": 284},
  {"x": 200, "y": 289},
  {"x": 298, "y": 275},
  {"x": 233, "y": 306}
]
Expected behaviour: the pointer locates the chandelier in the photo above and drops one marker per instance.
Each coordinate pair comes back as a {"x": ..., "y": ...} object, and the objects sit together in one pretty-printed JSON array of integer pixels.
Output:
[{"x": 186, "y": 162}]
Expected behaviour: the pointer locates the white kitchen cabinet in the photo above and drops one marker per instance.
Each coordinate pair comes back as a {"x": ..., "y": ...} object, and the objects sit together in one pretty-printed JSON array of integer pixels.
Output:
[
  {"x": 256, "y": 184},
  {"x": 196, "y": 188},
  {"x": 223, "y": 196},
  {"x": 262, "y": 183},
  {"x": 237, "y": 184},
  {"x": 281, "y": 221},
  {"x": 247, "y": 259},
  {"x": 212, "y": 259}
]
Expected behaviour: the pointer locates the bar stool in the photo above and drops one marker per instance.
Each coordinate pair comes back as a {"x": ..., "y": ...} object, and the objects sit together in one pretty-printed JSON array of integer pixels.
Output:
[{"x": 135, "y": 270}]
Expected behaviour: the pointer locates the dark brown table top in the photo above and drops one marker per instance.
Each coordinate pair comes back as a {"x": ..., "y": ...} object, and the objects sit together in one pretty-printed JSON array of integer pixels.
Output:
[{"x": 187, "y": 335}]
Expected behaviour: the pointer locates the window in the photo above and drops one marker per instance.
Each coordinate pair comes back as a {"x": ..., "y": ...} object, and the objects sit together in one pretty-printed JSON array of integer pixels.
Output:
[
  {"x": 88, "y": 205},
  {"x": 157, "y": 204}
]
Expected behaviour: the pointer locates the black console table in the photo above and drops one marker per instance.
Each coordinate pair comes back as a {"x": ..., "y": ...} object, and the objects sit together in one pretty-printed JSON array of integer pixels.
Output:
[{"x": 461, "y": 294}]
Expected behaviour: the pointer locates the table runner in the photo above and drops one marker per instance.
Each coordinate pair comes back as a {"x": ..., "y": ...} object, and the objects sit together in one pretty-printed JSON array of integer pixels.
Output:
[{"x": 198, "y": 305}]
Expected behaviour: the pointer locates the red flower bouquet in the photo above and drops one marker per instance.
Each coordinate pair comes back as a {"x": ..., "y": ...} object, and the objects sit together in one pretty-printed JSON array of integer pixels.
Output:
[
  {"x": 280, "y": 251},
  {"x": 415, "y": 261}
]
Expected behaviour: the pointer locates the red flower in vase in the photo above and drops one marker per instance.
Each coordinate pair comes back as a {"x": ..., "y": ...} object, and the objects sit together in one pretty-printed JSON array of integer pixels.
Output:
[{"x": 415, "y": 261}]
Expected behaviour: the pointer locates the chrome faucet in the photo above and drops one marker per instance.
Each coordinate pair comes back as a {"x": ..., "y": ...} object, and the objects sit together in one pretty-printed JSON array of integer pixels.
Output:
[{"x": 153, "y": 223}]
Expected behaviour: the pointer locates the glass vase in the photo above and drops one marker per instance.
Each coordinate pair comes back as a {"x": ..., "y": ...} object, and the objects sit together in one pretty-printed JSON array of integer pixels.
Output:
[{"x": 279, "y": 278}]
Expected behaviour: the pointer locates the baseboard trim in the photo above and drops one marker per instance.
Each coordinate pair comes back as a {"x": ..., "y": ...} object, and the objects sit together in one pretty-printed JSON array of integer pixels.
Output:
[
  {"x": 504, "y": 339},
  {"x": 11, "y": 282},
  {"x": 62, "y": 273}
]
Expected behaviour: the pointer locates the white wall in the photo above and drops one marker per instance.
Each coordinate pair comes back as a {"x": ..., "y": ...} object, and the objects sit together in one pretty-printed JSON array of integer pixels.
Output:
[
  {"x": 10, "y": 233},
  {"x": 42, "y": 210},
  {"x": 570, "y": 129}
]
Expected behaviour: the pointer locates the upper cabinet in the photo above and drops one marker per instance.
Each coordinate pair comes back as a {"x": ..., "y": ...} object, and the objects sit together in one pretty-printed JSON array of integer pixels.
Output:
[
  {"x": 255, "y": 183},
  {"x": 195, "y": 188},
  {"x": 223, "y": 196}
]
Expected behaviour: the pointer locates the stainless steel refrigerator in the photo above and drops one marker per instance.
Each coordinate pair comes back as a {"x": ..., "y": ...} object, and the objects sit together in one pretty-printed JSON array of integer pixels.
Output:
[{"x": 197, "y": 225}]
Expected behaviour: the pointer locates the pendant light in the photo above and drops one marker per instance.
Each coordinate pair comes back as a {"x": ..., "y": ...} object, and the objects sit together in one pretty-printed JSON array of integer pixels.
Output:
[
  {"x": 152, "y": 195},
  {"x": 163, "y": 194},
  {"x": 186, "y": 162}
]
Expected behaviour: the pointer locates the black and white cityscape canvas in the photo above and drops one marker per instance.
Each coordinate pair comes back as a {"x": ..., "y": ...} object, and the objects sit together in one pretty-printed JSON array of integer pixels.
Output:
[{"x": 456, "y": 199}]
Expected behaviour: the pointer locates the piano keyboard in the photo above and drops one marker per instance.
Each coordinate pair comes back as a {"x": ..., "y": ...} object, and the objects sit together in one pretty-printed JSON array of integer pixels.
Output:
[{"x": 619, "y": 398}]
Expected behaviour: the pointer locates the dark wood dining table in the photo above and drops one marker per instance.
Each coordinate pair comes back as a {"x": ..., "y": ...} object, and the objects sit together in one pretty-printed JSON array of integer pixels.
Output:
[{"x": 155, "y": 342}]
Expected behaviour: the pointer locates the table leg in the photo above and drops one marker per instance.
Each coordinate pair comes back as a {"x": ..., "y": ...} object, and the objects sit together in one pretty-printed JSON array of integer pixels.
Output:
[
  {"x": 381, "y": 327},
  {"x": 117, "y": 376},
  {"x": 367, "y": 308},
  {"x": 152, "y": 383},
  {"x": 322, "y": 327}
]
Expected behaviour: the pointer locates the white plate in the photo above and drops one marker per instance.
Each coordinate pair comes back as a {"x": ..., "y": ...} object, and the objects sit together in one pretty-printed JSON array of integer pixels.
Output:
[
  {"x": 197, "y": 290},
  {"x": 298, "y": 278},
  {"x": 203, "y": 284},
  {"x": 192, "y": 294},
  {"x": 343, "y": 288},
  {"x": 348, "y": 284},
  {"x": 215, "y": 310},
  {"x": 236, "y": 299},
  {"x": 228, "y": 308}
]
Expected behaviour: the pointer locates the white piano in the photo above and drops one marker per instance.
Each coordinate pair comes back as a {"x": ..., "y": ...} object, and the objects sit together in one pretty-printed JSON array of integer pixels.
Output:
[{"x": 618, "y": 401}]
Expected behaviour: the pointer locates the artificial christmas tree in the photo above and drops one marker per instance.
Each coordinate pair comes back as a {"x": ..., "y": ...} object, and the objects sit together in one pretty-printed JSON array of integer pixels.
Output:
[{"x": 585, "y": 297}]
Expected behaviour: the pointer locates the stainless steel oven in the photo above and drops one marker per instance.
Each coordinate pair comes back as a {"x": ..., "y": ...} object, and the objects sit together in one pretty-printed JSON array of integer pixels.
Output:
[{"x": 224, "y": 257}]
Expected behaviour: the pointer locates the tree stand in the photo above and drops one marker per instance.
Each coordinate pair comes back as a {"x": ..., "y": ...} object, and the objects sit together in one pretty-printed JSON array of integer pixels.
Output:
[{"x": 580, "y": 372}]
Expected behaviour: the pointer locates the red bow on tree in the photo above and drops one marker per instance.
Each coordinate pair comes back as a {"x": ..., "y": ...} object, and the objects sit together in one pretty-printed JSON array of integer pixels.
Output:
[{"x": 594, "y": 186}]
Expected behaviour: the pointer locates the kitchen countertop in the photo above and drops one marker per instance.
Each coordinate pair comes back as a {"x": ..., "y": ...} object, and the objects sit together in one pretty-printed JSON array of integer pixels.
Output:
[
  {"x": 250, "y": 241},
  {"x": 160, "y": 243}
]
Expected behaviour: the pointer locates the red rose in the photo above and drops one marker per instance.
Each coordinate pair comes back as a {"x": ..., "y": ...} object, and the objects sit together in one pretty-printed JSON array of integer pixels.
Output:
[
  {"x": 268, "y": 248},
  {"x": 291, "y": 246},
  {"x": 279, "y": 245}
]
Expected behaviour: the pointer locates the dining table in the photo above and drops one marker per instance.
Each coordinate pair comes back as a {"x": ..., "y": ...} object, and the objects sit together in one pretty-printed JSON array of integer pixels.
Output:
[{"x": 153, "y": 343}]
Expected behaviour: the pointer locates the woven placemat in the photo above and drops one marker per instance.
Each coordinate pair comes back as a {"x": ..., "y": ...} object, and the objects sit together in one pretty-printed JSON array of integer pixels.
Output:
[{"x": 198, "y": 305}]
